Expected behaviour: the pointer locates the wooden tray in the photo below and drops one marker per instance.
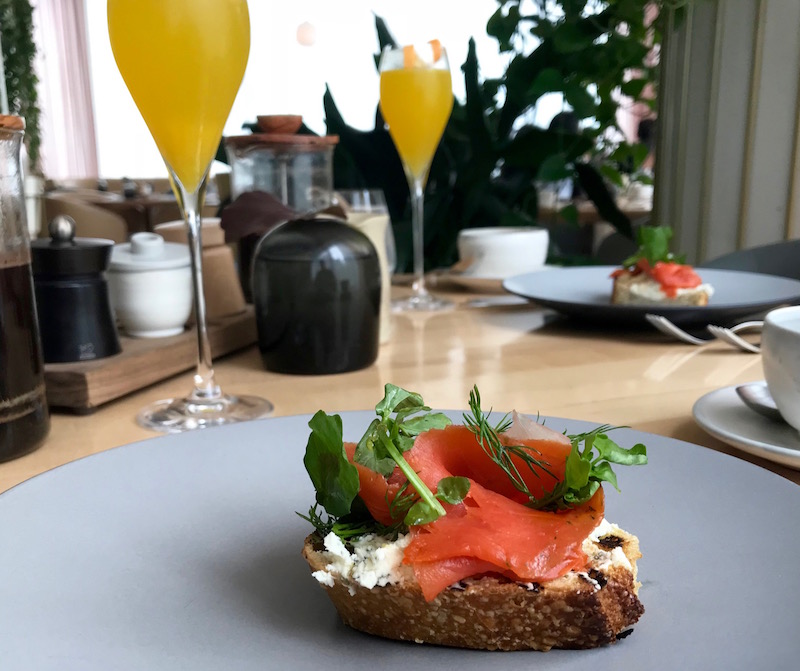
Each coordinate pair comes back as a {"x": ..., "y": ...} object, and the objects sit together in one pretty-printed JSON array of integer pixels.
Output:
[{"x": 83, "y": 386}]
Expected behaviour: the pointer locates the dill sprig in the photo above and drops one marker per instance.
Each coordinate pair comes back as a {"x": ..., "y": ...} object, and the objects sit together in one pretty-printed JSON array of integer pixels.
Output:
[
  {"x": 489, "y": 439},
  {"x": 586, "y": 467}
]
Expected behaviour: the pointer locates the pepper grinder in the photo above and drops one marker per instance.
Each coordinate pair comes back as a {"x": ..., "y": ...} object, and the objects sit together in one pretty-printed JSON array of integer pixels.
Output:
[{"x": 72, "y": 300}]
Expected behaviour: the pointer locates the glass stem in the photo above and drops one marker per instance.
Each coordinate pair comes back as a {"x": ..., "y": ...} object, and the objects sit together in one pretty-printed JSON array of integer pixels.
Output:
[
  {"x": 205, "y": 388},
  {"x": 417, "y": 188}
]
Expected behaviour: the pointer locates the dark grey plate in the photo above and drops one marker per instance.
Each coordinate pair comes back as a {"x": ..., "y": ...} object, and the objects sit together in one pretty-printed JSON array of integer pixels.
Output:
[
  {"x": 183, "y": 552},
  {"x": 585, "y": 292}
]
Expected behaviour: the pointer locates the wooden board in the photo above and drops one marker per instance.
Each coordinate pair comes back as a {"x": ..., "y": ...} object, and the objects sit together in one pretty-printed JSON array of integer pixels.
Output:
[{"x": 85, "y": 385}]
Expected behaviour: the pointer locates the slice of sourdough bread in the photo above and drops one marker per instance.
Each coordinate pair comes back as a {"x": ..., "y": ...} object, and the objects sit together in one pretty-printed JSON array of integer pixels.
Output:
[
  {"x": 643, "y": 290},
  {"x": 583, "y": 609}
]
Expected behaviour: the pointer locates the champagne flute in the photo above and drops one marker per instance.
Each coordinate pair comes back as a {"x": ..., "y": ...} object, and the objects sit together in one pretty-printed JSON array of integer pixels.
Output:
[
  {"x": 416, "y": 101},
  {"x": 183, "y": 62}
]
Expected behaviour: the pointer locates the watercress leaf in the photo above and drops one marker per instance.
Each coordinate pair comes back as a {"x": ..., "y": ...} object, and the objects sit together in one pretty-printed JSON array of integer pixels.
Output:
[
  {"x": 452, "y": 489},
  {"x": 609, "y": 450},
  {"x": 402, "y": 415},
  {"x": 396, "y": 399},
  {"x": 420, "y": 513},
  {"x": 335, "y": 478},
  {"x": 404, "y": 443},
  {"x": 582, "y": 495},
  {"x": 603, "y": 471},
  {"x": 433, "y": 420},
  {"x": 576, "y": 472},
  {"x": 371, "y": 451}
]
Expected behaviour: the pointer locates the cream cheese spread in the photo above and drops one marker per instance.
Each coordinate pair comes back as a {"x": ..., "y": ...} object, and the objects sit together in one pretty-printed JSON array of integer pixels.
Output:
[{"x": 374, "y": 562}]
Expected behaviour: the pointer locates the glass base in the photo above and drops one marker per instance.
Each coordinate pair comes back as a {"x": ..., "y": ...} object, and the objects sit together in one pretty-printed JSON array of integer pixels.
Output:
[
  {"x": 421, "y": 303},
  {"x": 175, "y": 415}
]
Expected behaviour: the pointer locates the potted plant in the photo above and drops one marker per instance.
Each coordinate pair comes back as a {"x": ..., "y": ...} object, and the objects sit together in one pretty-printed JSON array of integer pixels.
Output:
[
  {"x": 492, "y": 155},
  {"x": 18, "y": 94}
]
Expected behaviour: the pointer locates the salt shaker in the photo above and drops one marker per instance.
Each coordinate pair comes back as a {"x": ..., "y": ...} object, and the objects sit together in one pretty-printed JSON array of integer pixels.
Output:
[{"x": 24, "y": 417}]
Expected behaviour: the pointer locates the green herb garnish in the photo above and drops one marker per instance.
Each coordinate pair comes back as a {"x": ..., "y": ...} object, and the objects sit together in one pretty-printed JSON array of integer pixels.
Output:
[
  {"x": 335, "y": 478},
  {"x": 653, "y": 247},
  {"x": 489, "y": 439},
  {"x": 380, "y": 449},
  {"x": 584, "y": 470}
]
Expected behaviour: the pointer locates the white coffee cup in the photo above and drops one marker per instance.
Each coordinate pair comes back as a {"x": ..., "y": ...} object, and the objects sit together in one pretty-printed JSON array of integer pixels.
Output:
[
  {"x": 502, "y": 251},
  {"x": 780, "y": 356}
]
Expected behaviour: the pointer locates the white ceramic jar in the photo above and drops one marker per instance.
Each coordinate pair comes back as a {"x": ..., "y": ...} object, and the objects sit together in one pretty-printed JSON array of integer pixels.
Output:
[{"x": 150, "y": 283}]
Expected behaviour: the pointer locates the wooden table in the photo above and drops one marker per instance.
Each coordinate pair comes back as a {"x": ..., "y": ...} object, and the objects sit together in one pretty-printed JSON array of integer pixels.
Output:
[{"x": 520, "y": 356}]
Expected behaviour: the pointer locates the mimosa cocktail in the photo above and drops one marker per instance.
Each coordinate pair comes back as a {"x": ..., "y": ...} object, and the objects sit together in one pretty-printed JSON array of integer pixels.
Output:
[
  {"x": 416, "y": 101},
  {"x": 183, "y": 62},
  {"x": 416, "y": 104}
]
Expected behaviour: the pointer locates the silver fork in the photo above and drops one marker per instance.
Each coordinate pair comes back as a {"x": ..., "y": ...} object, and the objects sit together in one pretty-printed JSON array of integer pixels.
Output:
[
  {"x": 730, "y": 337},
  {"x": 668, "y": 328},
  {"x": 727, "y": 335}
]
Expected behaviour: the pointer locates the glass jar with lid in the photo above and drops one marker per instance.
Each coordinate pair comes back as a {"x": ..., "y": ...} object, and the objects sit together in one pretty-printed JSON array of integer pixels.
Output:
[{"x": 295, "y": 168}]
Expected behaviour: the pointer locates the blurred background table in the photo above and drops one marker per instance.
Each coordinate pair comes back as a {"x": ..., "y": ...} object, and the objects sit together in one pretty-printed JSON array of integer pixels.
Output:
[{"x": 521, "y": 357}]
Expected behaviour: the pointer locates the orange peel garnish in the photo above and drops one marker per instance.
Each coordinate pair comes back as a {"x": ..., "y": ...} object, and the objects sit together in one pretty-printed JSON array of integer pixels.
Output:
[
  {"x": 409, "y": 56},
  {"x": 436, "y": 46}
]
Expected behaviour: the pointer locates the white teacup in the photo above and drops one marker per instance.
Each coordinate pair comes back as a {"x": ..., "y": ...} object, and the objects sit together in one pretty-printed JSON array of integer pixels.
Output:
[
  {"x": 502, "y": 251},
  {"x": 780, "y": 350}
]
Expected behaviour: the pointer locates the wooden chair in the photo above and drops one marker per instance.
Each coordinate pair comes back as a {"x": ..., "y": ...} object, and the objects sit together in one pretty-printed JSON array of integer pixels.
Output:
[
  {"x": 91, "y": 221},
  {"x": 778, "y": 258}
]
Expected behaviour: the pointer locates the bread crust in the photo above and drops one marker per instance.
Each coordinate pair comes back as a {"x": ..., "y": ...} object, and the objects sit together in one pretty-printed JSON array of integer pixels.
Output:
[
  {"x": 623, "y": 293},
  {"x": 583, "y": 609}
]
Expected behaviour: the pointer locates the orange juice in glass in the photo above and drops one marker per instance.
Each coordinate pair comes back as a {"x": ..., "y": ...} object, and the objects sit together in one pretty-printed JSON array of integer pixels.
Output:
[
  {"x": 183, "y": 62},
  {"x": 416, "y": 100}
]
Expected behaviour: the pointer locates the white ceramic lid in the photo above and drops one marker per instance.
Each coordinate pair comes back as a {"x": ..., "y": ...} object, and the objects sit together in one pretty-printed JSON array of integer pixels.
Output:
[{"x": 148, "y": 251}]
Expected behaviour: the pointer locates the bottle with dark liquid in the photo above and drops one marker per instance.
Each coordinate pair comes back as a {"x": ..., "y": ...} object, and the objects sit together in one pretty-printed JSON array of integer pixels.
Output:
[{"x": 24, "y": 418}]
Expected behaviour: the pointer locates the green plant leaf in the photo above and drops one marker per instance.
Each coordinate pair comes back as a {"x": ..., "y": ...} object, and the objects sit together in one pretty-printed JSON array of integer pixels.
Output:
[
  {"x": 581, "y": 100},
  {"x": 570, "y": 214},
  {"x": 577, "y": 469},
  {"x": 432, "y": 420},
  {"x": 421, "y": 512},
  {"x": 554, "y": 168},
  {"x": 547, "y": 81},
  {"x": 633, "y": 87},
  {"x": 571, "y": 38},
  {"x": 335, "y": 478},
  {"x": 604, "y": 472},
  {"x": 612, "y": 175},
  {"x": 503, "y": 24},
  {"x": 610, "y": 451},
  {"x": 452, "y": 489}
]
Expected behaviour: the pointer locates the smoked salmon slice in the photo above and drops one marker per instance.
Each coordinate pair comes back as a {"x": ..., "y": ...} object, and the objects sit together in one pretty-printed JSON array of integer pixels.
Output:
[{"x": 491, "y": 530}]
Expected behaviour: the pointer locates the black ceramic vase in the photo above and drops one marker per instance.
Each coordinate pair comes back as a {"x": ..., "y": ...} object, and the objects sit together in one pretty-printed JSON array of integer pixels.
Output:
[{"x": 316, "y": 288}]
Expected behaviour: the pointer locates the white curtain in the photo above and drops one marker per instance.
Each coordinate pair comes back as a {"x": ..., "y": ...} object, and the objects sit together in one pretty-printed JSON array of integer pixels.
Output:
[{"x": 69, "y": 147}]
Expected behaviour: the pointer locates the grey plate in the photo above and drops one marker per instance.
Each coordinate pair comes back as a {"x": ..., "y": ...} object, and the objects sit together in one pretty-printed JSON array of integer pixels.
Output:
[
  {"x": 183, "y": 552},
  {"x": 585, "y": 292},
  {"x": 723, "y": 414}
]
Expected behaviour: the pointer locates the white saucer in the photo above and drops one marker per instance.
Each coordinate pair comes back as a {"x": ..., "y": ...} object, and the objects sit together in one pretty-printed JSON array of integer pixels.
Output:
[
  {"x": 722, "y": 414},
  {"x": 479, "y": 283}
]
